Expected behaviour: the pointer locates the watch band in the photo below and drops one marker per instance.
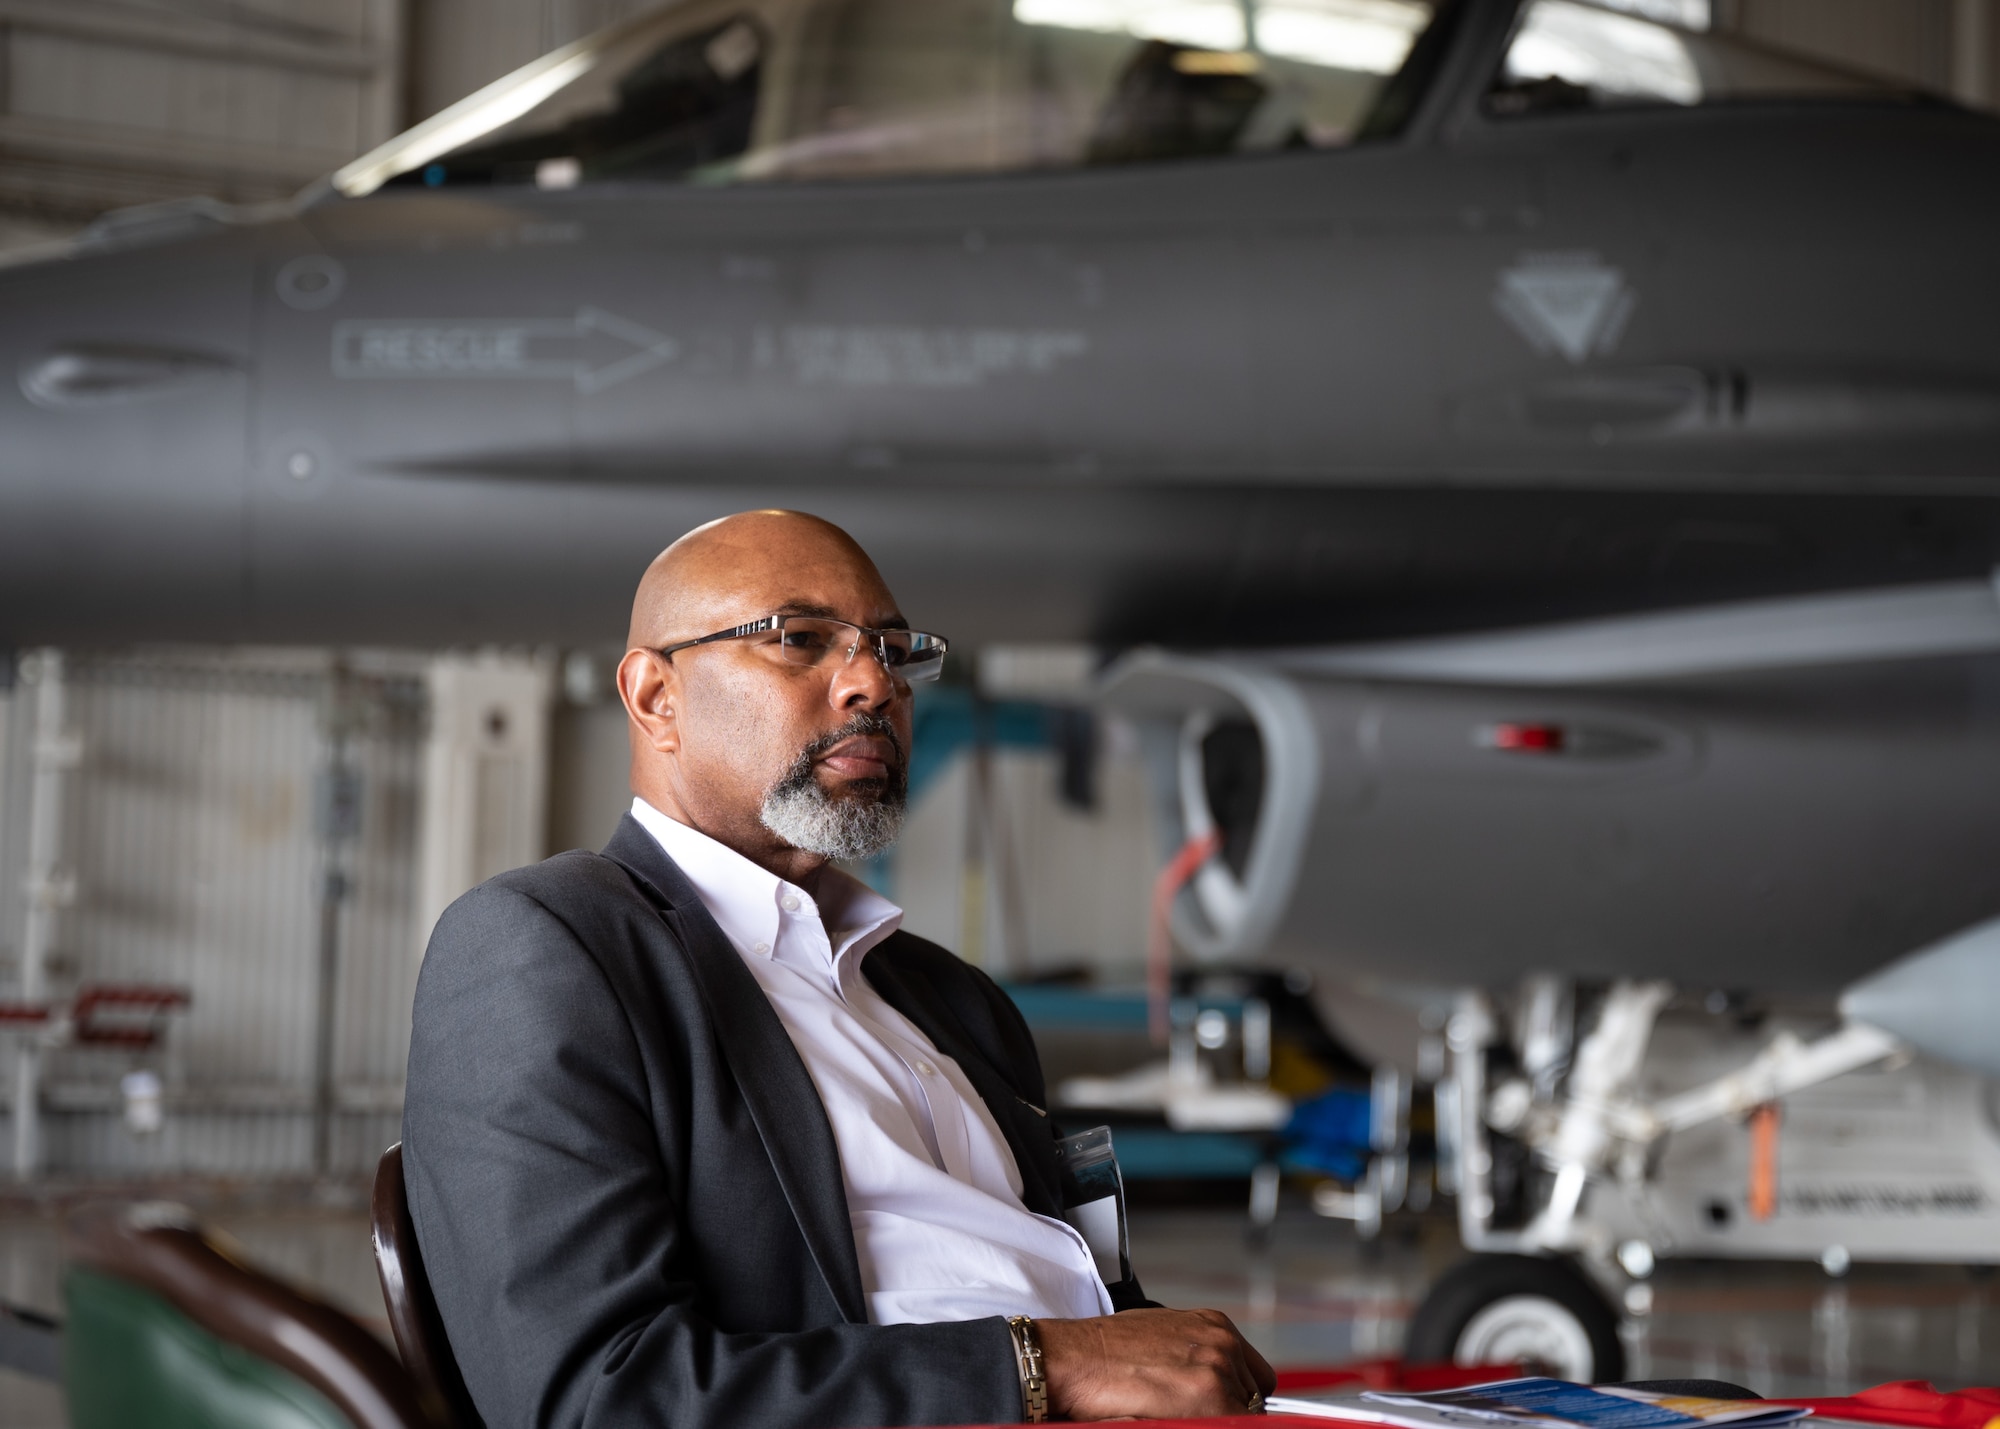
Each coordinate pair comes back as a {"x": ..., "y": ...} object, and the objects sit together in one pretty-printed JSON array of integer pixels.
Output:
[{"x": 1028, "y": 1356}]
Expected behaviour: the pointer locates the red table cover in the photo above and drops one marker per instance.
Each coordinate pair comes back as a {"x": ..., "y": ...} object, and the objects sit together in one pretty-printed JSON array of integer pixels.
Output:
[
  {"x": 1908, "y": 1403},
  {"x": 1913, "y": 1402}
]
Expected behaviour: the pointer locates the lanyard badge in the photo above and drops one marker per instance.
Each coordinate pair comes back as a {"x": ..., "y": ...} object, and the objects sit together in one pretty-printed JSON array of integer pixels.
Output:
[{"x": 1093, "y": 1200}]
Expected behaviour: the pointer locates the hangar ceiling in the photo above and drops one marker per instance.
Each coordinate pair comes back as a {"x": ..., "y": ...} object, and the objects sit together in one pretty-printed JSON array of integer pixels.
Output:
[{"x": 106, "y": 104}]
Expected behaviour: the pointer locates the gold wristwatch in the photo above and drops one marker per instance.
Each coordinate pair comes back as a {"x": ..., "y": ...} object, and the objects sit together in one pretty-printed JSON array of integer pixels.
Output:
[{"x": 1028, "y": 1354}]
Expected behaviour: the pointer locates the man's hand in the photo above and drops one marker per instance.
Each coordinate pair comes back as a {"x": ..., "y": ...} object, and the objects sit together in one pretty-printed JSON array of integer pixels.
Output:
[{"x": 1151, "y": 1363}]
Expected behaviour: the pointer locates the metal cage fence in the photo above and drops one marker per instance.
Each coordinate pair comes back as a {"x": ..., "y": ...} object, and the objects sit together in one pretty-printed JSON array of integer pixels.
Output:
[{"x": 244, "y": 825}]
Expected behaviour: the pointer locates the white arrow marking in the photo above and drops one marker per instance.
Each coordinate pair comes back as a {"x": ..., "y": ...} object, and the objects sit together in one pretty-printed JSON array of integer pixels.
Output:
[{"x": 502, "y": 348}]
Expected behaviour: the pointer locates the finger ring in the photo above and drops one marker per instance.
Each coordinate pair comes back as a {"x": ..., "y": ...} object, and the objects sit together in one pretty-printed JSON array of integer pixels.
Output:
[{"x": 1256, "y": 1404}]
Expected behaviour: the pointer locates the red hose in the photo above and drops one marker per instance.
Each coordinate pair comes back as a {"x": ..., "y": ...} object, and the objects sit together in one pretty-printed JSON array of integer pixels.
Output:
[
  {"x": 1160, "y": 947},
  {"x": 1764, "y": 1161}
]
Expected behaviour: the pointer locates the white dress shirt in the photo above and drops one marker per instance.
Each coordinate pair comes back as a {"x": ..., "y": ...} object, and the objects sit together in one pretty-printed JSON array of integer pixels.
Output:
[{"x": 933, "y": 1192}]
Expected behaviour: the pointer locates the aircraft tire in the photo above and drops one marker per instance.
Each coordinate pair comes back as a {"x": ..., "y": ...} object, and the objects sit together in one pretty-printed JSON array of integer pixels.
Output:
[{"x": 1497, "y": 1309}]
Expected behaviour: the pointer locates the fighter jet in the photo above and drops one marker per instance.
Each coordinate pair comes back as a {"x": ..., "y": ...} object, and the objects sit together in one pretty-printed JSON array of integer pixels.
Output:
[
  {"x": 1213, "y": 323},
  {"x": 1534, "y": 460}
]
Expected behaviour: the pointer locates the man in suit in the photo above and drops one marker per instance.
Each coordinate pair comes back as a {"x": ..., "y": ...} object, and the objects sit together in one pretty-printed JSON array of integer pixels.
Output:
[{"x": 695, "y": 1136}]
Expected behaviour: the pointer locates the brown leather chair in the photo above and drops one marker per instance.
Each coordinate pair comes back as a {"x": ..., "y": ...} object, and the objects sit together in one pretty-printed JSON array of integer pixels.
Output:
[
  {"x": 169, "y": 1327},
  {"x": 413, "y": 1313}
]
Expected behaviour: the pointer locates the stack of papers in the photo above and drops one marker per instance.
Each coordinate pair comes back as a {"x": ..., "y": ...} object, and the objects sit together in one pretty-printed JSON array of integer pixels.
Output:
[{"x": 1534, "y": 1403}]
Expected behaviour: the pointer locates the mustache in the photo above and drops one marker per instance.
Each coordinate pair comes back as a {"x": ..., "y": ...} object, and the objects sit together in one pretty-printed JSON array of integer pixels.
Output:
[{"x": 864, "y": 723}]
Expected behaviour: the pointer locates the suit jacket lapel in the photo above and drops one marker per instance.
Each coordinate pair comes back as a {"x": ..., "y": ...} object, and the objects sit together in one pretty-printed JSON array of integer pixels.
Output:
[
  {"x": 776, "y": 1087},
  {"x": 1029, "y": 1133}
]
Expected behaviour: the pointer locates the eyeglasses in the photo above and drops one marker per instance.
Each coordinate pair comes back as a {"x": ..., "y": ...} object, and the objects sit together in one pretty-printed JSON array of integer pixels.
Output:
[{"x": 910, "y": 656}]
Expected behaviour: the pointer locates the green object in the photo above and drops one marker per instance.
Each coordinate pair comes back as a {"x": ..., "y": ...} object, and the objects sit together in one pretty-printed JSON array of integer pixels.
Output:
[{"x": 133, "y": 1361}]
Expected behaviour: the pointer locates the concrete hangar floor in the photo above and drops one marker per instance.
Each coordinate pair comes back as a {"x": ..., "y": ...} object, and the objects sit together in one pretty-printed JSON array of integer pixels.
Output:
[{"x": 1312, "y": 1294}]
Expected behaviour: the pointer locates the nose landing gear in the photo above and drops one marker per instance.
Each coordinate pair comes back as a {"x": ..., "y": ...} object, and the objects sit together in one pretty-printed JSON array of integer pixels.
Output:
[{"x": 1507, "y": 1309}]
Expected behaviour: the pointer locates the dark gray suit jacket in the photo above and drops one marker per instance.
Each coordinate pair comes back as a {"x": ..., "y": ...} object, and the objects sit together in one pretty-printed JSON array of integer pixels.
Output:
[{"x": 625, "y": 1187}]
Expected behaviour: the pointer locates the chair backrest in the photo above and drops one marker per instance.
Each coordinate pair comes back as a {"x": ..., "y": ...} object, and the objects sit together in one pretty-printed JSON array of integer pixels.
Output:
[
  {"x": 406, "y": 1288},
  {"x": 168, "y": 1328}
]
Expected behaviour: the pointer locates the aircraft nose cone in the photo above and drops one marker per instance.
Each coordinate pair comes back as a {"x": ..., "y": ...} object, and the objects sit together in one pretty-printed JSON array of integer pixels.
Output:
[{"x": 1942, "y": 1000}]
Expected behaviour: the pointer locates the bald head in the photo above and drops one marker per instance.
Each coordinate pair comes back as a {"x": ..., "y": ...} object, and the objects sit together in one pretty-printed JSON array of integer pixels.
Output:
[{"x": 717, "y": 575}]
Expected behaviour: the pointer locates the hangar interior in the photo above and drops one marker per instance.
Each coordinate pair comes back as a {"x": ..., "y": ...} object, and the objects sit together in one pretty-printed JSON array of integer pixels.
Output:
[
  {"x": 219, "y": 863},
  {"x": 359, "y": 792}
]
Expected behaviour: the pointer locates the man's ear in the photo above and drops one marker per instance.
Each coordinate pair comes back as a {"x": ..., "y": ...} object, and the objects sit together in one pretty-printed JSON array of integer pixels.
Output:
[{"x": 650, "y": 688}]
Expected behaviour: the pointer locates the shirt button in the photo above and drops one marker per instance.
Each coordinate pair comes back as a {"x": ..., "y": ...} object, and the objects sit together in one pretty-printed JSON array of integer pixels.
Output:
[
  {"x": 789, "y": 903},
  {"x": 926, "y": 1069},
  {"x": 762, "y": 948}
]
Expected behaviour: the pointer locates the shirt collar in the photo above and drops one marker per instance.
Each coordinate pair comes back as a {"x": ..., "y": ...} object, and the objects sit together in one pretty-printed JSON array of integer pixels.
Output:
[{"x": 746, "y": 900}]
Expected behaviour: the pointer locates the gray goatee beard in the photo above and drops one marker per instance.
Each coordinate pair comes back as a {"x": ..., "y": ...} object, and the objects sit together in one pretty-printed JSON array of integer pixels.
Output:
[{"x": 854, "y": 825}]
